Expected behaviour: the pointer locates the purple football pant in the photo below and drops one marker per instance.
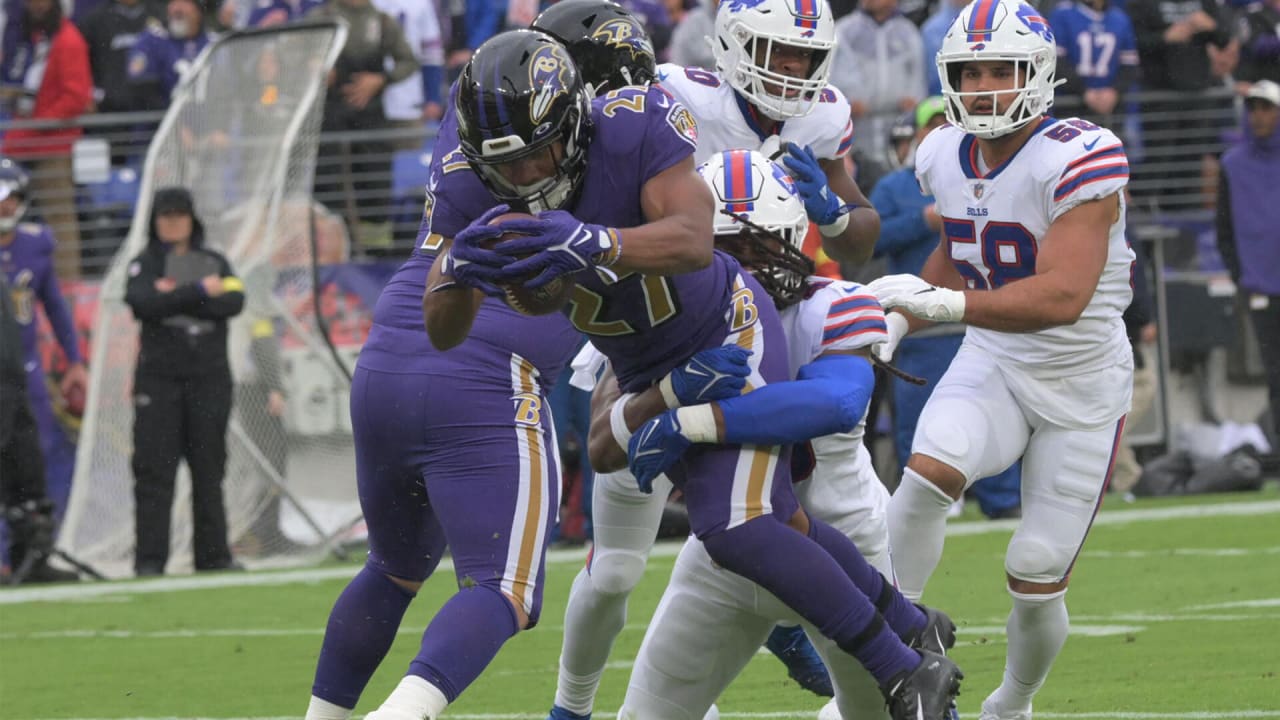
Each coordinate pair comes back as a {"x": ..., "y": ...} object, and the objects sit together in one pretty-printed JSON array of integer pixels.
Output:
[{"x": 467, "y": 462}]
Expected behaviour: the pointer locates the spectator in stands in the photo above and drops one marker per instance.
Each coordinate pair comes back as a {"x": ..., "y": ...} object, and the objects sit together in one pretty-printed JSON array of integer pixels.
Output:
[
  {"x": 1180, "y": 49},
  {"x": 420, "y": 96},
  {"x": 45, "y": 76},
  {"x": 1248, "y": 216},
  {"x": 112, "y": 31},
  {"x": 26, "y": 259},
  {"x": 362, "y": 173},
  {"x": 880, "y": 67},
  {"x": 182, "y": 294},
  {"x": 909, "y": 232},
  {"x": 163, "y": 54},
  {"x": 1098, "y": 57},
  {"x": 22, "y": 492},
  {"x": 931, "y": 34},
  {"x": 690, "y": 41},
  {"x": 1260, "y": 51}
]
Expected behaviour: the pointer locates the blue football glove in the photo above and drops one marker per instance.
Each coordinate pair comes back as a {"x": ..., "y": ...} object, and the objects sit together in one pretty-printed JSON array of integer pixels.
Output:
[
  {"x": 717, "y": 373},
  {"x": 820, "y": 204},
  {"x": 561, "y": 245},
  {"x": 471, "y": 264},
  {"x": 654, "y": 448}
]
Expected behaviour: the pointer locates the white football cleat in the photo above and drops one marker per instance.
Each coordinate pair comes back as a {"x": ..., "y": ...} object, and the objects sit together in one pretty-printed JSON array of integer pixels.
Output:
[
  {"x": 989, "y": 713},
  {"x": 829, "y": 711}
]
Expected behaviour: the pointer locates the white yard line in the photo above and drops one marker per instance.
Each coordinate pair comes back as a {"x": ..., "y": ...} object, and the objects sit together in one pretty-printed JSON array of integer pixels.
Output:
[{"x": 84, "y": 591}]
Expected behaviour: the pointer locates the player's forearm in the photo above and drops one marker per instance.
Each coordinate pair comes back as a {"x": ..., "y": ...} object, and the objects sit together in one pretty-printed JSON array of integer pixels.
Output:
[
  {"x": 604, "y": 449},
  {"x": 673, "y": 245},
  {"x": 1028, "y": 305},
  {"x": 448, "y": 309},
  {"x": 857, "y": 241}
]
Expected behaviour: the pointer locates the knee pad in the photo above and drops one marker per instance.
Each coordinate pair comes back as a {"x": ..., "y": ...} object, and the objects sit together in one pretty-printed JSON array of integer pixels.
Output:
[
  {"x": 1033, "y": 560},
  {"x": 616, "y": 572},
  {"x": 942, "y": 432}
]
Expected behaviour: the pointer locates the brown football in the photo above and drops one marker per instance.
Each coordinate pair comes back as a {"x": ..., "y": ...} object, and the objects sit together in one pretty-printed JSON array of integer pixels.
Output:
[{"x": 529, "y": 301}]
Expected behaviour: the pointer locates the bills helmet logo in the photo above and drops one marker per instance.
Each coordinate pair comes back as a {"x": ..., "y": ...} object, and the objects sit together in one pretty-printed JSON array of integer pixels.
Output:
[
  {"x": 784, "y": 179},
  {"x": 1034, "y": 22},
  {"x": 739, "y": 5},
  {"x": 550, "y": 72}
]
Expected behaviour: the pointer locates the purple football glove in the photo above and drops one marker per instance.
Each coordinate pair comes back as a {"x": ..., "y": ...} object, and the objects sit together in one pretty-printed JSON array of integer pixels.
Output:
[
  {"x": 472, "y": 265},
  {"x": 561, "y": 245}
]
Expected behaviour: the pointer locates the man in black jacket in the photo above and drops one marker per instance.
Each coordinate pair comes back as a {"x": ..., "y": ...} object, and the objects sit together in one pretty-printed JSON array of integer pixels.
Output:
[
  {"x": 183, "y": 294},
  {"x": 23, "y": 497}
]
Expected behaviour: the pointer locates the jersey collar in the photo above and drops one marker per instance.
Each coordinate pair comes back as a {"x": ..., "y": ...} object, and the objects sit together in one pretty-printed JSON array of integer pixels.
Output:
[
  {"x": 969, "y": 153},
  {"x": 750, "y": 114}
]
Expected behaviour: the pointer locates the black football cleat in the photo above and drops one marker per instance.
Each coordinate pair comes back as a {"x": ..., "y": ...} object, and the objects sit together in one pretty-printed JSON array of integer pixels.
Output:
[
  {"x": 938, "y": 634},
  {"x": 926, "y": 693}
]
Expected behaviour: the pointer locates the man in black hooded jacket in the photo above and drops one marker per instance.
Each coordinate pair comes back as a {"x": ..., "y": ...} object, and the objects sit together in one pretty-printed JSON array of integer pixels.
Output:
[{"x": 183, "y": 294}]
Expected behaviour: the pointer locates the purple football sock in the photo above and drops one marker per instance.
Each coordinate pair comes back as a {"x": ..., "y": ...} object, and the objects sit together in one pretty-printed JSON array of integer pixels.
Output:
[
  {"x": 463, "y": 638},
  {"x": 903, "y": 617},
  {"x": 361, "y": 628},
  {"x": 793, "y": 568}
]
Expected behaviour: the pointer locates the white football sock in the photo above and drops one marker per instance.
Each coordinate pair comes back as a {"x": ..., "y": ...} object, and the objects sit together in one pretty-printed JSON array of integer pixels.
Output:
[
  {"x": 416, "y": 697},
  {"x": 1037, "y": 630},
  {"x": 324, "y": 710},
  {"x": 917, "y": 528},
  {"x": 592, "y": 620}
]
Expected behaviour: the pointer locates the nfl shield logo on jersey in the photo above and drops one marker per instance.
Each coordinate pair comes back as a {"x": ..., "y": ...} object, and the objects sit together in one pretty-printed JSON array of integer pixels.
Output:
[{"x": 978, "y": 189}]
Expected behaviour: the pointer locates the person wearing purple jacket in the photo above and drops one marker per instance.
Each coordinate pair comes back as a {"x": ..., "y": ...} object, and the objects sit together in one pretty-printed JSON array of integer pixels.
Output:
[
  {"x": 26, "y": 259},
  {"x": 1247, "y": 218}
]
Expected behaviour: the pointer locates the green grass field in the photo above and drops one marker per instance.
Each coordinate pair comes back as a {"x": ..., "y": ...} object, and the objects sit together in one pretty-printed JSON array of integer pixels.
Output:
[{"x": 1175, "y": 614}]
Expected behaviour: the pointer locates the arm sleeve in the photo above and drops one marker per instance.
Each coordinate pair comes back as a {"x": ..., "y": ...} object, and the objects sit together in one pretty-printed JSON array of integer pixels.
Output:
[
  {"x": 229, "y": 303},
  {"x": 433, "y": 83},
  {"x": 148, "y": 303},
  {"x": 55, "y": 308},
  {"x": 1226, "y": 230},
  {"x": 829, "y": 395},
  {"x": 1127, "y": 70}
]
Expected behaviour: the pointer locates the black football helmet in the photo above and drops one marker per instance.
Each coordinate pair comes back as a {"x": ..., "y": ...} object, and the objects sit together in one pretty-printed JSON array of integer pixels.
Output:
[
  {"x": 609, "y": 45},
  {"x": 523, "y": 120}
]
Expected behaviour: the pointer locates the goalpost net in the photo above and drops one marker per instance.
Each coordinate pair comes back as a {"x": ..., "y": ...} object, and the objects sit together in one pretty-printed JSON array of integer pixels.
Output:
[{"x": 241, "y": 134}]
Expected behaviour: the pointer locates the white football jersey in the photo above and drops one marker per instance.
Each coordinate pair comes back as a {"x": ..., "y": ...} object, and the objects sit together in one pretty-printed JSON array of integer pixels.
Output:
[
  {"x": 726, "y": 121},
  {"x": 994, "y": 221},
  {"x": 843, "y": 490}
]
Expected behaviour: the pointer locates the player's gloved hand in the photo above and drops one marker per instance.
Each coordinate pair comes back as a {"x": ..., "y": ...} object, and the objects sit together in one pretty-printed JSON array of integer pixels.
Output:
[
  {"x": 562, "y": 244},
  {"x": 896, "y": 324},
  {"x": 822, "y": 206},
  {"x": 654, "y": 448},
  {"x": 919, "y": 298},
  {"x": 717, "y": 373},
  {"x": 471, "y": 264}
]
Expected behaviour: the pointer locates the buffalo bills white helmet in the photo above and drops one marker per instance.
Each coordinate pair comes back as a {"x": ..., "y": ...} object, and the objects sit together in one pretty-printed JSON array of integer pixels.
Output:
[
  {"x": 760, "y": 219},
  {"x": 1004, "y": 31},
  {"x": 747, "y": 33}
]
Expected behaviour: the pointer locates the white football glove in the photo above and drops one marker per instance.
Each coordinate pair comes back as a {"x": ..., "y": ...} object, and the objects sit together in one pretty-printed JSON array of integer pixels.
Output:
[
  {"x": 919, "y": 298},
  {"x": 896, "y": 324}
]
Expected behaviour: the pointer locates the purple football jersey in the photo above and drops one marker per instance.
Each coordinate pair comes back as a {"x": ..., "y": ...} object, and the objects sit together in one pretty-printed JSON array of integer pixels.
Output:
[
  {"x": 28, "y": 263},
  {"x": 646, "y": 325}
]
